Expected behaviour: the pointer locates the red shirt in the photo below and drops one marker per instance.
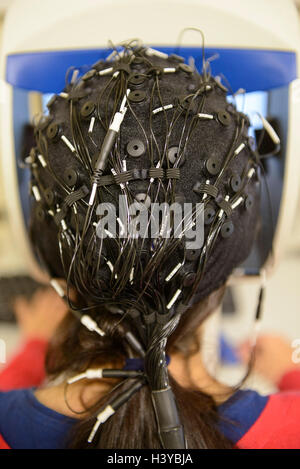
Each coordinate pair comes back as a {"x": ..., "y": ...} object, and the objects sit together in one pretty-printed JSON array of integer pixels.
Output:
[{"x": 26, "y": 368}]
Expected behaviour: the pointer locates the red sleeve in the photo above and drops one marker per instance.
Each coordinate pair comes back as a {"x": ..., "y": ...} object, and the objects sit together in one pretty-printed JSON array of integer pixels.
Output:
[
  {"x": 290, "y": 381},
  {"x": 3, "y": 444},
  {"x": 26, "y": 368},
  {"x": 278, "y": 426}
]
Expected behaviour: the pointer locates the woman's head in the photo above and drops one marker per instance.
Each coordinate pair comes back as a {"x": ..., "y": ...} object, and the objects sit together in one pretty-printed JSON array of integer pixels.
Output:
[
  {"x": 121, "y": 144},
  {"x": 178, "y": 133}
]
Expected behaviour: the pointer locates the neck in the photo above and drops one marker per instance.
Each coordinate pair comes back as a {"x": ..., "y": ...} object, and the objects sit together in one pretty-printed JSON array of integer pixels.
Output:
[
  {"x": 187, "y": 371},
  {"x": 190, "y": 372}
]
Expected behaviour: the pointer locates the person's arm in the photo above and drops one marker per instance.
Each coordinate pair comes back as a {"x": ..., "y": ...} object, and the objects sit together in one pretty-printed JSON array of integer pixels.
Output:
[
  {"x": 37, "y": 319},
  {"x": 26, "y": 368},
  {"x": 274, "y": 361},
  {"x": 278, "y": 426}
]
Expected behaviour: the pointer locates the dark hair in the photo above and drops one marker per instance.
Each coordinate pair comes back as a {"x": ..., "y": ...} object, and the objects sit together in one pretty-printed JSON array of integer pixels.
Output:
[
  {"x": 73, "y": 349},
  {"x": 146, "y": 285}
]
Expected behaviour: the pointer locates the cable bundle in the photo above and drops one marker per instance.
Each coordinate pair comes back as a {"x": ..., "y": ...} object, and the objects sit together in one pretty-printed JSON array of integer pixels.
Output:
[{"x": 137, "y": 130}]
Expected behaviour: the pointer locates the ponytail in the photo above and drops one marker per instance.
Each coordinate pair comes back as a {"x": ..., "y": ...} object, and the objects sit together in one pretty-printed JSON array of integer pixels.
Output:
[{"x": 136, "y": 425}]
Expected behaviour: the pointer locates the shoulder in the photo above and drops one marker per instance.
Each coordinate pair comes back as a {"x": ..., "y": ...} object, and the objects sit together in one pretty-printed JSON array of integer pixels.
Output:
[
  {"x": 26, "y": 423},
  {"x": 240, "y": 412},
  {"x": 12, "y": 410},
  {"x": 10, "y": 402},
  {"x": 278, "y": 425}
]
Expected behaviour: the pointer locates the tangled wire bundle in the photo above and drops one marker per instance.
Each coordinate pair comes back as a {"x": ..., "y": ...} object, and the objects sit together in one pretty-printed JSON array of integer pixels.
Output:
[{"x": 148, "y": 127}]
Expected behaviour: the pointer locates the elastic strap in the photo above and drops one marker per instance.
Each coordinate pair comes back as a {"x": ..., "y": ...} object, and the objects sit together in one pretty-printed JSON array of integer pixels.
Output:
[
  {"x": 69, "y": 201},
  {"x": 156, "y": 173},
  {"x": 135, "y": 174},
  {"x": 226, "y": 206},
  {"x": 76, "y": 195},
  {"x": 208, "y": 189},
  {"x": 173, "y": 173}
]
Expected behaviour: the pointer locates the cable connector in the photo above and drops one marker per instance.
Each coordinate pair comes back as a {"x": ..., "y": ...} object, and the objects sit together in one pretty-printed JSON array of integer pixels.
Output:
[
  {"x": 239, "y": 149},
  {"x": 99, "y": 373},
  {"x": 57, "y": 287},
  {"x": 101, "y": 418},
  {"x": 113, "y": 406},
  {"x": 270, "y": 131},
  {"x": 88, "y": 374},
  {"x": 91, "y": 325},
  {"x": 108, "y": 144},
  {"x": 259, "y": 308},
  {"x": 117, "y": 121},
  {"x": 119, "y": 116},
  {"x": 150, "y": 52}
]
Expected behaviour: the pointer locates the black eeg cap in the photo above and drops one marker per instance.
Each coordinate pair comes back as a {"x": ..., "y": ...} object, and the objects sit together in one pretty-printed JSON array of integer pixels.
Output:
[
  {"x": 205, "y": 152},
  {"x": 149, "y": 127}
]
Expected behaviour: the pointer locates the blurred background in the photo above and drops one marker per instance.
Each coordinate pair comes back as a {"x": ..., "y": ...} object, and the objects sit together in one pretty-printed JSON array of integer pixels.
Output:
[{"x": 234, "y": 323}]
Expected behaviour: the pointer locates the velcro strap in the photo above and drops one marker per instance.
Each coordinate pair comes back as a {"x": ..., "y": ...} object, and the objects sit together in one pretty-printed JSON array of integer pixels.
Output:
[
  {"x": 105, "y": 180},
  {"x": 173, "y": 173},
  {"x": 135, "y": 174},
  {"x": 76, "y": 195},
  {"x": 226, "y": 206},
  {"x": 156, "y": 173},
  {"x": 209, "y": 189},
  {"x": 124, "y": 177},
  {"x": 82, "y": 192}
]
